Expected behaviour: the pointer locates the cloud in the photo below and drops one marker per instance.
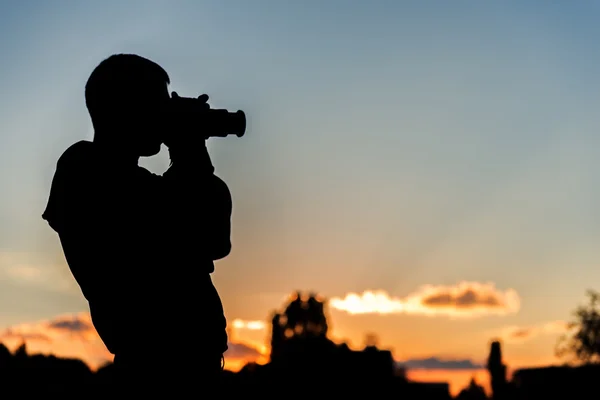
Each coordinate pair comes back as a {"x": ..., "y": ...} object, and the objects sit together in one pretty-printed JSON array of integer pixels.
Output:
[
  {"x": 10, "y": 335},
  {"x": 71, "y": 336},
  {"x": 439, "y": 363},
  {"x": 26, "y": 273},
  {"x": 519, "y": 334},
  {"x": 466, "y": 299},
  {"x": 34, "y": 270},
  {"x": 242, "y": 350},
  {"x": 74, "y": 336},
  {"x": 72, "y": 325},
  {"x": 250, "y": 325}
]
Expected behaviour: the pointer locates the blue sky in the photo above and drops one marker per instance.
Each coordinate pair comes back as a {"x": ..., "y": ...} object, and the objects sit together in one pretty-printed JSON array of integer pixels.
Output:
[{"x": 390, "y": 144}]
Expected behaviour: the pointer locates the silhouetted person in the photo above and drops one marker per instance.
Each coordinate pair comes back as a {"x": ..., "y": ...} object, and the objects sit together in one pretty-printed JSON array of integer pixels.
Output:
[{"x": 141, "y": 246}]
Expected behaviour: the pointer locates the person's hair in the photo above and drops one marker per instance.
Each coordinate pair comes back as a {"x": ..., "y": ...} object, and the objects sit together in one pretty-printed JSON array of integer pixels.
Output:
[{"x": 119, "y": 75}]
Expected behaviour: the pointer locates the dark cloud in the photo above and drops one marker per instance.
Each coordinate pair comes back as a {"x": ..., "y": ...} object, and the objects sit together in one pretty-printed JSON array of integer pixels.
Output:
[
  {"x": 522, "y": 333},
  {"x": 71, "y": 325},
  {"x": 438, "y": 363},
  {"x": 466, "y": 299},
  {"x": 241, "y": 350}
]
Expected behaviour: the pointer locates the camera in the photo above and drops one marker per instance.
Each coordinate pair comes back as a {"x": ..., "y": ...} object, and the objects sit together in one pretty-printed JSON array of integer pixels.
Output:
[{"x": 192, "y": 115}]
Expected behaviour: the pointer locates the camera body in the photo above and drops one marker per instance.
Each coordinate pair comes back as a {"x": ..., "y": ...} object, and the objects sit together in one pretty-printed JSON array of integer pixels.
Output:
[{"x": 191, "y": 116}]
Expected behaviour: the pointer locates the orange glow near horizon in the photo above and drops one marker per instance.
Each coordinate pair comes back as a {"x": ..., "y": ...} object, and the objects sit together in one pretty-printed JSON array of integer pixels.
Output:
[{"x": 73, "y": 336}]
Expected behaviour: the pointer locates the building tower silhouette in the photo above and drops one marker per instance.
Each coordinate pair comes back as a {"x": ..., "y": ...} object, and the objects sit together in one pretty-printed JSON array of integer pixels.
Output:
[{"x": 497, "y": 371}]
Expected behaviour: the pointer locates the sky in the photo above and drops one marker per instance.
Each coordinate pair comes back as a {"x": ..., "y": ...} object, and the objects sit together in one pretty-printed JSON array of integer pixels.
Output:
[{"x": 427, "y": 166}]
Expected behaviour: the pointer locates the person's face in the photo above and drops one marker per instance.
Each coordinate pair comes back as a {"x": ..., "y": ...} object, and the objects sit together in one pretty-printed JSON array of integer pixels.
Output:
[{"x": 150, "y": 119}]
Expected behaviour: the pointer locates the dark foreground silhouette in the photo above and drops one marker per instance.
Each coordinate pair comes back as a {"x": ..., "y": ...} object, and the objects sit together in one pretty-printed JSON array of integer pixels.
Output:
[
  {"x": 304, "y": 363},
  {"x": 142, "y": 246}
]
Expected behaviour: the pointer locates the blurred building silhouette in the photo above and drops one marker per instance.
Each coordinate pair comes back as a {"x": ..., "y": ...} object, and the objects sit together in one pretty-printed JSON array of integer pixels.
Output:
[
  {"x": 497, "y": 371},
  {"x": 304, "y": 362},
  {"x": 29, "y": 376},
  {"x": 302, "y": 356},
  {"x": 557, "y": 382}
]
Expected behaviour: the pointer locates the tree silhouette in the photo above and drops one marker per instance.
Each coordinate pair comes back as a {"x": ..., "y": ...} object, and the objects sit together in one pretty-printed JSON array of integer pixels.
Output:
[
  {"x": 304, "y": 316},
  {"x": 582, "y": 343},
  {"x": 302, "y": 320}
]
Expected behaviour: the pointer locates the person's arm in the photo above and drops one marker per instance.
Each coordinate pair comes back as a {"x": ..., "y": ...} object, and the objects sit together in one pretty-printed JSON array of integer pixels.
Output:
[
  {"x": 197, "y": 202},
  {"x": 198, "y": 207},
  {"x": 102, "y": 231}
]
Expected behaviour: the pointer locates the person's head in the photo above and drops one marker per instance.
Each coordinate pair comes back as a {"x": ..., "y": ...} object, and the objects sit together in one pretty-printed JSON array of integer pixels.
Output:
[{"x": 126, "y": 96}]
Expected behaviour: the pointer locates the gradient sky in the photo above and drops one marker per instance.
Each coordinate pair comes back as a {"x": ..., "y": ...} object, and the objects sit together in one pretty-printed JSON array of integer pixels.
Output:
[{"x": 390, "y": 145}]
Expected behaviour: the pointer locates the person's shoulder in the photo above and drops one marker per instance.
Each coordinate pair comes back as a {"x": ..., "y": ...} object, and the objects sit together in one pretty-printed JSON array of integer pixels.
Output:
[
  {"x": 79, "y": 146},
  {"x": 81, "y": 150}
]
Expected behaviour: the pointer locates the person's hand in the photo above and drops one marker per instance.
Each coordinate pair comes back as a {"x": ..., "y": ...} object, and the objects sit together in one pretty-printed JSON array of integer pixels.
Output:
[
  {"x": 186, "y": 141},
  {"x": 199, "y": 102},
  {"x": 184, "y": 116}
]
